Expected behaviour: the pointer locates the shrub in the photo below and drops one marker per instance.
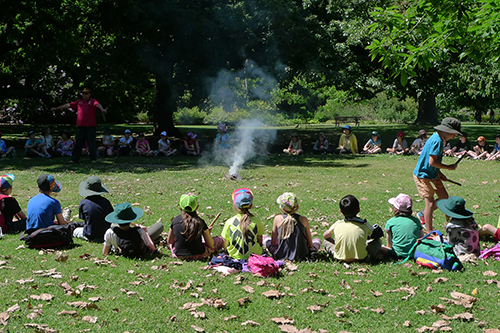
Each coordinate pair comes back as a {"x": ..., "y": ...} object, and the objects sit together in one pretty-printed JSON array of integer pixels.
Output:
[
  {"x": 143, "y": 117},
  {"x": 190, "y": 116}
]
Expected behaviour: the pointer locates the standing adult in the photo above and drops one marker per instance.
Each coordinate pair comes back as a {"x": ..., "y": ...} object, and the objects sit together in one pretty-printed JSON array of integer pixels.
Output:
[{"x": 85, "y": 123}]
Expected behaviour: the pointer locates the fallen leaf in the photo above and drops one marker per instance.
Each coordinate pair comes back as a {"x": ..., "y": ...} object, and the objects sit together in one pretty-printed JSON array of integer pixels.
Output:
[
  {"x": 83, "y": 305},
  {"x": 250, "y": 322},
  {"x": 378, "y": 310},
  {"x": 42, "y": 297},
  {"x": 243, "y": 301},
  {"x": 491, "y": 330},
  {"x": 288, "y": 328},
  {"x": 90, "y": 319},
  {"x": 61, "y": 257},
  {"x": 4, "y": 316},
  {"x": 482, "y": 323},
  {"x": 197, "y": 329},
  {"x": 198, "y": 314},
  {"x": 273, "y": 293},
  {"x": 440, "y": 323},
  {"x": 283, "y": 320},
  {"x": 438, "y": 308},
  {"x": 459, "y": 296},
  {"x": 376, "y": 293},
  {"x": 69, "y": 313},
  {"x": 426, "y": 329},
  {"x": 41, "y": 328},
  {"x": 420, "y": 312},
  {"x": 230, "y": 317},
  {"x": 490, "y": 273},
  {"x": 466, "y": 316},
  {"x": 440, "y": 279},
  {"x": 13, "y": 308},
  {"x": 34, "y": 314},
  {"x": 248, "y": 289},
  {"x": 407, "y": 323}
]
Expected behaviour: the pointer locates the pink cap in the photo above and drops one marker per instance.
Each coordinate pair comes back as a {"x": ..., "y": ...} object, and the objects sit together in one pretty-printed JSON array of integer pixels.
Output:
[{"x": 402, "y": 202}]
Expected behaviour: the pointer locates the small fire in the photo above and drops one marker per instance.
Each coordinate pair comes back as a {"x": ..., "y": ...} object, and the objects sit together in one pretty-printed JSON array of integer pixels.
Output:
[{"x": 235, "y": 176}]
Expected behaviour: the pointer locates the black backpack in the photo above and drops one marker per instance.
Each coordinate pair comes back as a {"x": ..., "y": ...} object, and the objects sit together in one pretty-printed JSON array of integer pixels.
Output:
[
  {"x": 53, "y": 237},
  {"x": 130, "y": 243}
]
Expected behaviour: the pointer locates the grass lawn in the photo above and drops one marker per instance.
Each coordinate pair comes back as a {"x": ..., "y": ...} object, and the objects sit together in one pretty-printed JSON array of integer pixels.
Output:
[{"x": 145, "y": 295}]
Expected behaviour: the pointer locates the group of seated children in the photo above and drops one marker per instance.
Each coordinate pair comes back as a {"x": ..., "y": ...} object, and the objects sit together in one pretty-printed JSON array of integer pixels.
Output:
[
  {"x": 481, "y": 151},
  {"x": 44, "y": 146},
  {"x": 349, "y": 239}
]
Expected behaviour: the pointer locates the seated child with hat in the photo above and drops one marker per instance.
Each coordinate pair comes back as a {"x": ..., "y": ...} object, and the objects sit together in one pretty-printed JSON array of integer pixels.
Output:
[
  {"x": 127, "y": 238},
  {"x": 93, "y": 210},
  {"x": 461, "y": 229},
  {"x": 188, "y": 229},
  {"x": 399, "y": 146},
  {"x": 164, "y": 145},
  {"x": 42, "y": 208},
  {"x": 418, "y": 143},
  {"x": 374, "y": 145},
  {"x": 347, "y": 239},
  {"x": 403, "y": 230},
  {"x": 295, "y": 145},
  {"x": 243, "y": 232},
  {"x": 10, "y": 208}
]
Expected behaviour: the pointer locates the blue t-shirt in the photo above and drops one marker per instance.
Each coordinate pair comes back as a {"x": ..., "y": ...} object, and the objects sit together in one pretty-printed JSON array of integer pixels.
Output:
[
  {"x": 42, "y": 209},
  {"x": 31, "y": 143},
  {"x": 434, "y": 146},
  {"x": 372, "y": 143},
  {"x": 3, "y": 146}
]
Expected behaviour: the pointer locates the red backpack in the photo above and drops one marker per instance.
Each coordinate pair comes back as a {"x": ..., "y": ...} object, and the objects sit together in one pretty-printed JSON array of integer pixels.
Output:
[{"x": 263, "y": 266}]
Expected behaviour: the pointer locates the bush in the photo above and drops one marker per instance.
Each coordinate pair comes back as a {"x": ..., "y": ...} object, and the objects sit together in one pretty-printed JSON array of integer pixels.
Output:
[
  {"x": 190, "y": 116},
  {"x": 143, "y": 117}
]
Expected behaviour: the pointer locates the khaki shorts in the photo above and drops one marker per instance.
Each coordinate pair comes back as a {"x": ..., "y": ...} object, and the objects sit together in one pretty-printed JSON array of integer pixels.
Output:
[{"x": 425, "y": 188}]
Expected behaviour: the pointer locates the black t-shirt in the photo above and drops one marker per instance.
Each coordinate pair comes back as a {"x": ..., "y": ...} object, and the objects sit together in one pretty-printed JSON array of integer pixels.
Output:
[
  {"x": 11, "y": 208},
  {"x": 484, "y": 148},
  {"x": 93, "y": 210},
  {"x": 462, "y": 146},
  {"x": 182, "y": 246}
]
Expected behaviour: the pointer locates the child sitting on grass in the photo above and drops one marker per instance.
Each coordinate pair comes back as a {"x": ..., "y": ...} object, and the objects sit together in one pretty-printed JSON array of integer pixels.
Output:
[
  {"x": 295, "y": 145},
  {"x": 374, "y": 145},
  {"x": 481, "y": 150},
  {"x": 108, "y": 143},
  {"x": 461, "y": 147},
  {"x": 142, "y": 147},
  {"x": 127, "y": 238},
  {"x": 92, "y": 210},
  {"x": 191, "y": 146},
  {"x": 35, "y": 147},
  {"x": 495, "y": 153},
  {"x": 125, "y": 143},
  {"x": 164, "y": 145},
  {"x": 188, "y": 229},
  {"x": 461, "y": 229},
  {"x": 399, "y": 146},
  {"x": 403, "y": 230},
  {"x": 4, "y": 151},
  {"x": 321, "y": 145},
  {"x": 243, "y": 232},
  {"x": 65, "y": 145},
  {"x": 418, "y": 144},
  {"x": 10, "y": 207},
  {"x": 42, "y": 208},
  {"x": 291, "y": 238},
  {"x": 347, "y": 239},
  {"x": 489, "y": 230}
]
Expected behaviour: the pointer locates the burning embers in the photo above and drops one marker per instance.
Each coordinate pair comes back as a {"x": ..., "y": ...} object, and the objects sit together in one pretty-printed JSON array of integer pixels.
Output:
[{"x": 235, "y": 176}]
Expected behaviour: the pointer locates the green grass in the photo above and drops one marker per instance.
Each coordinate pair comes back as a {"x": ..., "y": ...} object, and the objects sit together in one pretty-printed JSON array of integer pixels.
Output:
[{"x": 319, "y": 182}]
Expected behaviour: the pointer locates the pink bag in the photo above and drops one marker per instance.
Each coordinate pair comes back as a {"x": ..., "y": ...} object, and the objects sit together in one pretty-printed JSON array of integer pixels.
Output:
[
  {"x": 263, "y": 266},
  {"x": 493, "y": 252}
]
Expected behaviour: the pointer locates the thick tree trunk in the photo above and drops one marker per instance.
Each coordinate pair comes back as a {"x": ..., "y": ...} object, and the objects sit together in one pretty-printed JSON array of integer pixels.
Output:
[
  {"x": 427, "y": 111},
  {"x": 165, "y": 107}
]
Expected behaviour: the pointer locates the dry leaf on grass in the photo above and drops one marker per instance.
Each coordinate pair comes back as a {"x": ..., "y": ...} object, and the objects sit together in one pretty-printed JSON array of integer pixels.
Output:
[
  {"x": 378, "y": 310},
  {"x": 83, "y": 305},
  {"x": 426, "y": 329},
  {"x": 491, "y": 330},
  {"x": 250, "y": 323},
  {"x": 244, "y": 300},
  {"x": 230, "y": 317},
  {"x": 41, "y": 328},
  {"x": 420, "y": 312},
  {"x": 95, "y": 299},
  {"x": 466, "y": 316},
  {"x": 90, "y": 319},
  {"x": 460, "y": 296},
  {"x": 248, "y": 289},
  {"x": 69, "y": 313},
  {"x": 198, "y": 314},
  {"x": 490, "y": 273},
  {"x": 376, "y": 293},
  {"x": 440, "y": 279},
  {"x": 42, "y": 297},
  {"x": 128, "y": 292},
  {"x": 440, "y": 323},
  {"x": 288, "y": 328},
  {"x": 61, "y": 257},
  {"x": 197, "y": 329},
  {"x": 438, "y": 308},
  {"x": 4, "y": 317},
  {"x": 271, "y": 293},
  {"x": 318, "y": 307},
  {"x": 24, "y": 281},
  {"x": 13, "y": 308},
  {"x": 283, "y": 320},
  {"x": 407, "y": 323},
  {"x": 34, "y": 314}
]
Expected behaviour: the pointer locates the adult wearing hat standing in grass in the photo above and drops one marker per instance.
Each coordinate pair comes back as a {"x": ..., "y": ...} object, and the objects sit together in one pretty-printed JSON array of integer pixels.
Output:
[
  {"x": 42, "y": 208},
  {"x": 186, "y": 232},
  {"x": 427, "y": 175},
  {"x": 10, "y": 208},
  {"x": 127, "y": 238},
  {"x": 92, "y": 210},
  {"x": 85, "y": 108},
  {"x": 348, "y": 143}
]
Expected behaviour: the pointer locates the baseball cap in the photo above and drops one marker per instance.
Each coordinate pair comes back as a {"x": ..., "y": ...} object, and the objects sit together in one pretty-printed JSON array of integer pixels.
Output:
[
  {"x": 127, "y": 131},
  {"x": 402, "y": 202},
  {"x": 242, "y": 198},
  {"x": 6, "y": 181},
  {"x": 47, "y": 182},
  {"x": 374, "y": 133},
  {"x": 401, "y": 134},
  {"x": 188, "y": 202},
  {"x": 347, "y": 127},
  {"x": 164, "y": 133}
]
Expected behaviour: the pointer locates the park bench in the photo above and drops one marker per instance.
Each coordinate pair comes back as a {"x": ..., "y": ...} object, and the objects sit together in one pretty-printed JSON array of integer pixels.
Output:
[{"x": 348, "y": 119}]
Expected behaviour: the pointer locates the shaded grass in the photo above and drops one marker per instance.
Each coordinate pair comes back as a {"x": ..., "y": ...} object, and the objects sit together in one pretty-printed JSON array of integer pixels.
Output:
[{"x": 156, "y": 185}]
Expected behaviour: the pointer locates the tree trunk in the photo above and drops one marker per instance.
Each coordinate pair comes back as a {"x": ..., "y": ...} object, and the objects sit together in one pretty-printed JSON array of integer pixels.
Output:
[
  {"x": 165, "y": 106},
  {"x": 427, "y": 111}
]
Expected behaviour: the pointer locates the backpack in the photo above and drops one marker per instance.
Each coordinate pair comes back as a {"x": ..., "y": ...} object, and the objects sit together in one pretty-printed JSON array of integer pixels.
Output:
[
  {"x": 130, "y": 243},
  {"x": 3, "y": 225},
  {"x": 433, "y": 254},
  {"x": 223, "y": 259},
  {"x": 262, "y": 265},
  {"x": 55, "y": 236}
]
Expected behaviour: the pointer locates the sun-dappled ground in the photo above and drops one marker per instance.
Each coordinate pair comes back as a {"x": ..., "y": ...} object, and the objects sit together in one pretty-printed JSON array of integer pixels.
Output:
[{"x": 80, "y": 290}]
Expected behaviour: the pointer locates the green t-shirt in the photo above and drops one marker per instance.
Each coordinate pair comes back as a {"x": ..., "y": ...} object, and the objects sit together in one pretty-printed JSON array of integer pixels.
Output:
[
  {"x": 405, "y": 231},
  {"x": 238, "y": 248}
]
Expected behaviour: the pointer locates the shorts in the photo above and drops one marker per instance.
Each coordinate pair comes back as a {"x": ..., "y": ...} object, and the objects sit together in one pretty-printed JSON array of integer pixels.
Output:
[
  {"x": 425, "y": 188},
  {"x": 496, "y": 236}
]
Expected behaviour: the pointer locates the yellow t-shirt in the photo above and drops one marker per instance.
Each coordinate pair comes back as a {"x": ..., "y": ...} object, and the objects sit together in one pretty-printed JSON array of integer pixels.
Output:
[
  {"x": 237, "y": 248},
  {"x": 350, "y": 238}
]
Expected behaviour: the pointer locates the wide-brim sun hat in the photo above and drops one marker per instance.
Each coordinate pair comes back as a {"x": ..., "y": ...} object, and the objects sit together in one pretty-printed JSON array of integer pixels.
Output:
[
  {"x": 124, "y": 213},
  {"x": 402, "y": 202},
  {"x": 92, "y": 186},
  {"x": 450, "y": 125},
  {"x": 454, "y": 207},
  {"x": 222, "y": 127}
]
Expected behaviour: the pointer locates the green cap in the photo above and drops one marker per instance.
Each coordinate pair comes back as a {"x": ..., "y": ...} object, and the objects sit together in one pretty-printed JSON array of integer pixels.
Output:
[{"x": 188, "y": 202}]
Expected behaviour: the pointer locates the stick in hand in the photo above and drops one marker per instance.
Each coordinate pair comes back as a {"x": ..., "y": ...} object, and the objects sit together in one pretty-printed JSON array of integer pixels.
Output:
[
  {"x": 461, "y": 158},
  {"x": 214, "y": 220}
]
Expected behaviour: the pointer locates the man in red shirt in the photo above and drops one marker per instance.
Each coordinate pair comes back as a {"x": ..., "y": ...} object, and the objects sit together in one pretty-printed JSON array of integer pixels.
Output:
[{"x": 86, "y": 123}]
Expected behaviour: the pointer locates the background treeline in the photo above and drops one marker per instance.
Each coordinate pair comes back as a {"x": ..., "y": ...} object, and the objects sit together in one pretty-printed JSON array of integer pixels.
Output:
[{"x": 207, "y": 61}]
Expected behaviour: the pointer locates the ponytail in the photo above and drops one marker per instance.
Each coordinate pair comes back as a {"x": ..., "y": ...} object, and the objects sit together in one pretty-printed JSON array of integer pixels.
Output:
[
  {"x": 287, "y": 226},
  {"x": 192, "y": 225},
  {"x": 245, "y": 222}
]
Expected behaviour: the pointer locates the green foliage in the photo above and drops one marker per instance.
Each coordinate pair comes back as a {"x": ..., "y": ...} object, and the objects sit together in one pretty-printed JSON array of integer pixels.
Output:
[
  {"x": 143, "y": 117},
  {"x": 190, "y": 116}
]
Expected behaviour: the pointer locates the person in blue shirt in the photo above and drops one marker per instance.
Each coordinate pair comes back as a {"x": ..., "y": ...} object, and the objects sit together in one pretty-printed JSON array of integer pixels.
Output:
[
  {"x": 4, "y": 151},
  {"x": 222, "y": 140},
  {"x": 42, "y": 208},
  {"x": 427, "y": 175},
  {"x": 495, "y": 153},
  {"x": 35, "y": 147}
]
